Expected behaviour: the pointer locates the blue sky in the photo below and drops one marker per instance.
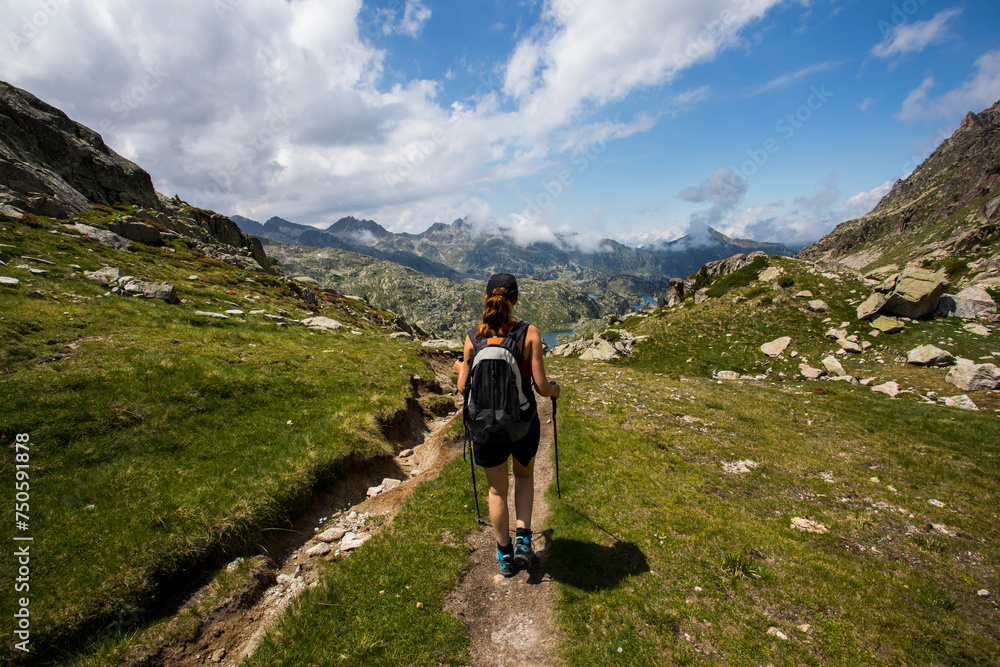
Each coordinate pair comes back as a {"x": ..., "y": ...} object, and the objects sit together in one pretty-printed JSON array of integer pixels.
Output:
[{"x": 639, "y": 120}]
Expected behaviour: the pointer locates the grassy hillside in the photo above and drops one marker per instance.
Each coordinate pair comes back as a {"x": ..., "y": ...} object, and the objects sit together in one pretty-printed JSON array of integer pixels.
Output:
[{"x": 162, "y": 440}]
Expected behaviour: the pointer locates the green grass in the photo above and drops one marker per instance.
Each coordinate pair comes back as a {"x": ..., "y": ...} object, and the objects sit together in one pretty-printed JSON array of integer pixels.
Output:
[
  {"x": 162, "y": 440},
  {"x": 646, "y": 501},
  {"x": 365, "y": 610}
]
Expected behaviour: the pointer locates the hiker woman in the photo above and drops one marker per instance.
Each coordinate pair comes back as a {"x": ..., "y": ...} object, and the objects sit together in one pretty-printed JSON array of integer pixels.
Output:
[{"x": 492, "y": 452}]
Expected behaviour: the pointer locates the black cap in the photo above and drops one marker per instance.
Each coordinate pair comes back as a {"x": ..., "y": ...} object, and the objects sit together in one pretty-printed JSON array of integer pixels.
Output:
[{"x": 504, "y": 280}]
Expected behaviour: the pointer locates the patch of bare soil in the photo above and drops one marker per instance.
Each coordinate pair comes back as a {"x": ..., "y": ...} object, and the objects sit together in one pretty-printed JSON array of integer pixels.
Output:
[{"x": 510, "y": 620}]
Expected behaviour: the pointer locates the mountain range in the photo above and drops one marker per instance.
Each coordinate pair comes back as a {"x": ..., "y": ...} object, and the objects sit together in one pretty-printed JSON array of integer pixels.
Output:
[{"x": 461, "y": 250}]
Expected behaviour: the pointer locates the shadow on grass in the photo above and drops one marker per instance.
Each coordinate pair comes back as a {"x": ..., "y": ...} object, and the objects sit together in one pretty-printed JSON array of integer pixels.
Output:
[{"x": 593, "y": 567}]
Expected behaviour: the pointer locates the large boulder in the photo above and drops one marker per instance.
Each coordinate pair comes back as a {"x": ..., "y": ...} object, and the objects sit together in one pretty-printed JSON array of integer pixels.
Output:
[
  {"x": 674, "y": 294},
  {"x": 834, "y": 367},
  {"x": 916, "y": 292},
  {"x": 131, "y": 286},
  {"x": 930, "y": 355},
  {"x": 133, "y": 230},
  {"x": 970, "y": 376},
  {"x": 872, "y": 305},
  {"x": 103, "y": 236},
  {"x": 887, "y": 325},
  {"x": 600, "y": 350},
  {"x": 701, "y": 296},
  {"x": 970, "y": 303}
]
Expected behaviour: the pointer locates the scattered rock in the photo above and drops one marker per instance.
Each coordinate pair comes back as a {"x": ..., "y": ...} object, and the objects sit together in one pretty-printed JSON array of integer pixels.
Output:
[
  {"x": 131, "y": 286},
  {"x": 775, "y": 632},
  {"x": 804, "y": 294},
  {"x": 890, "y": 389},
  {"x": 334, "y": 534},
  {"x": 129, "y": 228},
  {"x": 983, "y": 593},
  {"x": 887, "y": 325},
  {"x": 970, "y": 376},
  {"x": 320, "y": 549},
  {"x": 770, "y": 273},
  {"x": 977, "y": 329},
  {"x": 849, "y": 346},
  {"x": 834, "y": 367},
  {"x": 811, "y": 373},
  {"x": 738, "y": 467},
  {"x": 871, "y": 305},
  {"x": 775, "y": 347},
  {"x": 105, "y": 276},
  {"x": 235, "y": 312},
  {"x": 5, "y": 259},
  {"x": 387, "y": 484},
  {"x": 701, "y": 296},
  {"x": 935, "y": 503},
  {"x": 218, "y": 316},
  {"x": 401, "y": 334},
  {"x": 836, "y": 334},
  {"x": 818, "y": 306},
  {"x": 219, "y": 655},
  {"x": 971, "y": 303},
  {"x": 322, "y": 323},
  {"x": 929, "y": 355},
  {"x": 727, "y": 375},
  {"x": 352, "y": 541},
  {"x": 808, "y": 526},
  {"x": 441, "y": 343},
  {"x": 103, "y": 236},
  {"x": 35, "y": 294},
  {"x": 600, "y": 350},
  {"x": 963, "y": 402}
]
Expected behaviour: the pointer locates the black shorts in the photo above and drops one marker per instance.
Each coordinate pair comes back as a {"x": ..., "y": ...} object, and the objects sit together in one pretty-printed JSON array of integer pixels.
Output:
[{"x": 490, "y": 455}]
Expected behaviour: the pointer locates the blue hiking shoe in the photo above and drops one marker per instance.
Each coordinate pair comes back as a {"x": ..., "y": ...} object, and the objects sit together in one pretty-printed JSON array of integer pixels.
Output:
[
  {"x": 524, "y": 555},
  {"x": 506, "y": 562}
]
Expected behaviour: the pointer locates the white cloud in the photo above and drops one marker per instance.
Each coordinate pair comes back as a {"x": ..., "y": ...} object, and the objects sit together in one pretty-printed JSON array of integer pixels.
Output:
[
  {"x": 915, "y": 37},
  {"x": 863, "y": 202},
  {"x": 789, "y": 78},
  {"x": 267, "y": 107},
  {"x": 979, "y": 92}
]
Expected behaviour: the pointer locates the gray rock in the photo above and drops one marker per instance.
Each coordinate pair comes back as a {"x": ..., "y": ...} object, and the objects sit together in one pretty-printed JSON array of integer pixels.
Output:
[
  {"x": 320, "y": 549},
  {"x": 872, "y": 305},
  {"x": 770, "y": 273},
  {"x": 105, "y": 276},
  {"x": 836, "y": 334},
  {"x": 218, "y": 316},
  {"x": 930, "y": 355},
  {"x": 730, "y": 264},
  {"x": 6, "y": 280},
  {"x": 5, "y": 259},
  {"x": 810, "y": 373},
  {"x": 818, "y": 306},
  {"x": 970, "y": 376},
  {"x": 887, "y": 325},
  {"x": 129, "y": 228},
  {"x": 727, "y": 375},
  {"x": 891, "y": 389},
  {"x": 970, "y": 303},
  {"x": 775, "y": 347},
  {"x": 975, "y": 328},
  {"x": 103, "y": 236},
  {"x": 600, "y": 350},
  {"x": 963, "y": 402},
  {"x": 916, "y": 292},
  {"x": 334, "y": 534},
  {"x": 701, "y": 296},
  {"x": 352, "y": 541},
  {"x": 440, "y": 343},
  {"x": 131, "y": 286},
  {"x": 401, "y": 334},
  {"x": 849, "y": 346},
  {"x": 834, "y": 367},
  {"x": 322, "y": 323},
  {"x": 235, "y": 312},
  {"x": 35, "y": 294},
  {"x": 804, "y": 294}
]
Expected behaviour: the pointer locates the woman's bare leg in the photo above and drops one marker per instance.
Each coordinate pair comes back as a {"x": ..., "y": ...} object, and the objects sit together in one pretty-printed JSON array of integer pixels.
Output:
[
  {"x": 496, "y": 477},
  {"x": 524, "y": 492}
]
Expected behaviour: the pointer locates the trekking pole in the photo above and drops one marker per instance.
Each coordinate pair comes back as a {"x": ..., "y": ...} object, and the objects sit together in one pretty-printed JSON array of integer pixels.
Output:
[
  {"x": 472, "y": 466},
  {"x": 555, "y": 442}
]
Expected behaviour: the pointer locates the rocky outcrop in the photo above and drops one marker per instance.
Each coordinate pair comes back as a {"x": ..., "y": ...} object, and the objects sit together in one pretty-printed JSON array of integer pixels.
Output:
[
  {"x": 53, "y": 166},
  {"x": 929, "y": 355},
  {"x": 605, "y": 346},
  {"x": 914, "y": 292},
  {"x": 962, "y": 171},
  {"x": 729, "y": 265}
]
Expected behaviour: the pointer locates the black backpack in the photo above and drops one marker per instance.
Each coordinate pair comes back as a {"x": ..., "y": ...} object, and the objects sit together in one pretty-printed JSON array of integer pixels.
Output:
[{"x": 497, "y": 408}]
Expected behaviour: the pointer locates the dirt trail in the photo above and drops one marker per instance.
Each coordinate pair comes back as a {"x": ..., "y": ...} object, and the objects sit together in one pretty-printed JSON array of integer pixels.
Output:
[{"x": 510, "y": 620}]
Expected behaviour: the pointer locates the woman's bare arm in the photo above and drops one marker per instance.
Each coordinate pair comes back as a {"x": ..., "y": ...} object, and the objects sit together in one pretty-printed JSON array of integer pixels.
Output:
[
  {"x": 463, "y": 366},
  {"x": 533, "y": 343}
]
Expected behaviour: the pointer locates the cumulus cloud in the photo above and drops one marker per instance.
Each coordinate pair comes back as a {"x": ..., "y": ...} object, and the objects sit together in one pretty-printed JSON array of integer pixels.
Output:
[
  {"x": 723, "y": 190},
  {"x": 980, "y": 91},
  {"x": 275, "y": 107},
  {"x": 915, "y": 37}
]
